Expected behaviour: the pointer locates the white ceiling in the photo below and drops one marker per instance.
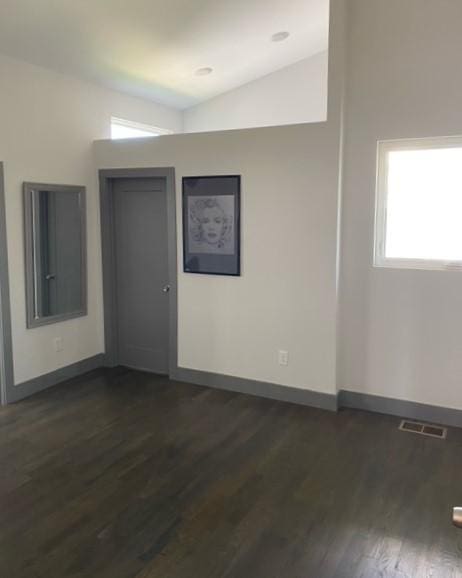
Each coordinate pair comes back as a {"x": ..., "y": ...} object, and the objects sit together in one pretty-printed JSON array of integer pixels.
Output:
[{"x": 151, "y": 48}]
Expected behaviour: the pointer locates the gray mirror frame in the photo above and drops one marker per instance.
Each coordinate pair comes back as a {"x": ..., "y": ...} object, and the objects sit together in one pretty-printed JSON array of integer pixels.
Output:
[{"x": 28, "y": 189}]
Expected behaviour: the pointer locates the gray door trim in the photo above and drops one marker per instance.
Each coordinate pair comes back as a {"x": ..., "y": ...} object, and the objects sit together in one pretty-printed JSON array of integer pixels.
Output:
[
  {"x": 106, "y": 180},
  {"x": 6, "y": 347}
]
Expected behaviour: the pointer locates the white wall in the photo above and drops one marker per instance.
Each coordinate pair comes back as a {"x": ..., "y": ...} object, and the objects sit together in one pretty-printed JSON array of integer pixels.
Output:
[
  {"x": 286, "y": 297},
  {"x": 47, "y": 124},
  {"x": 401, "y": 331},
  {"x": 292, "y": 95}
]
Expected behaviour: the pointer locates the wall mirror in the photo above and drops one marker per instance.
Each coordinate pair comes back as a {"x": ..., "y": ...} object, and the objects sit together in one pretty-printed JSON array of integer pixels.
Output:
[{"x": 55, "y": 245}]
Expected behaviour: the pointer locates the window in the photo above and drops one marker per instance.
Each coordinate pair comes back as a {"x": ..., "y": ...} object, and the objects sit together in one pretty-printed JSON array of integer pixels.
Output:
[
  {"x": 419, "y": 204},
  {"x": 121, "y": 128}
]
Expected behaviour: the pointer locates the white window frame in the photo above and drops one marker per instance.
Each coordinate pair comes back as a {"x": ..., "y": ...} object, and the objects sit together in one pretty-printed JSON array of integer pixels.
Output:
[
  {"x": 156, "y": 131},
  {"x": 380, "y": 229}
]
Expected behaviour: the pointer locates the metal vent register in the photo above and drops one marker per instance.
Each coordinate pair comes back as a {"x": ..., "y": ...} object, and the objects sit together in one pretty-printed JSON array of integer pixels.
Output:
[{"x": 425, "y": 429}]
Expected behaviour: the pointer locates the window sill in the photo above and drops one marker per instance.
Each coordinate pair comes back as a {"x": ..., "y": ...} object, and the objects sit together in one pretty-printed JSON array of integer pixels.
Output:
[{"x": 419, "y": 264}]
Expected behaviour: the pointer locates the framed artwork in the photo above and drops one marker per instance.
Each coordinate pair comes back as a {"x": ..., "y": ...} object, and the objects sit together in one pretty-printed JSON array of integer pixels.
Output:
[{"x": 211, "y": 225}]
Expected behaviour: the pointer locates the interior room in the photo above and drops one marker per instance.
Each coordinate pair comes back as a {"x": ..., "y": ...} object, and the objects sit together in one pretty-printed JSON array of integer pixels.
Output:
[{"x": 230, "y": 289}]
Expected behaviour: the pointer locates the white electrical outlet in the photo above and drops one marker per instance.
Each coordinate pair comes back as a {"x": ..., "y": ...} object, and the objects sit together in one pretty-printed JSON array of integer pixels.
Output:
[
  {"x": 58, "y": 342},
  {"x": 283, "y": 357}
]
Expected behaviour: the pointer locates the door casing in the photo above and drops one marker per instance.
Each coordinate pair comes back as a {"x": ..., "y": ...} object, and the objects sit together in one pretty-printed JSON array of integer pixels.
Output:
[
  {"x": 6, "y": 347},
  {"x": 107, "y": 177}
]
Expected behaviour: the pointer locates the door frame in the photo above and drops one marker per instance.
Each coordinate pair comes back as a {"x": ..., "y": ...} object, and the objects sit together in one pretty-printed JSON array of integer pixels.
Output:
[
  {"x": 6, "y": 346},
  {"x": 107, "y": 177}
]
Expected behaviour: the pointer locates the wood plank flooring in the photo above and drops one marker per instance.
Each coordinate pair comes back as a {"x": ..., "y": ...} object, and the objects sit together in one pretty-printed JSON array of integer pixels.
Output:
[{"x": 126, "y": 475}]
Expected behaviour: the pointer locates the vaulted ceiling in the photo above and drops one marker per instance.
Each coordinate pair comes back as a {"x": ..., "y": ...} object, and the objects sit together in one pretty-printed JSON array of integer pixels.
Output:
[{"x": 153, "y": 48}]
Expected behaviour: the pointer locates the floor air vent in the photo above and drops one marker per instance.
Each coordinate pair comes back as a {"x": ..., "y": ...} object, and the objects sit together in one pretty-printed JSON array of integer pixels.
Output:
[{"x": 424, "y": 429}]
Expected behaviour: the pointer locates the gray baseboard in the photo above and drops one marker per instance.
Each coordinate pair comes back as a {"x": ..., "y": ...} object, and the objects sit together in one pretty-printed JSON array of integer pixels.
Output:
[
  {"x": 331, "y": 402},
  {"x": 400, "y": 408},
  {"x": 258, "y": 388},
  {"x": 42, "y": 382},
  {"x": 344, "y": 399}
]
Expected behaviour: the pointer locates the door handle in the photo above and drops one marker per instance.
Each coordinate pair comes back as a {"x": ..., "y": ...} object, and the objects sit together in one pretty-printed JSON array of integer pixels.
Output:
[
  {"x": 457, "y": 517},
  {"x": 50, "y": 276},
  {"x": 166, "y": 288}
]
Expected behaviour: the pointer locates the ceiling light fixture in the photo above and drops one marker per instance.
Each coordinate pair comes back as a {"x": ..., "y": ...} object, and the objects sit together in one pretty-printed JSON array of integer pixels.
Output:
[
  {"x": 204, "y": 71},
  {"x": 280, "y": 36}
]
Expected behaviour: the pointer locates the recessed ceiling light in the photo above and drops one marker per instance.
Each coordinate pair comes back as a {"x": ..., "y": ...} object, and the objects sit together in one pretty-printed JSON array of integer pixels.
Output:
[
  {"x": 204, "y": 71},
  {"x": 280, "y": 36}
]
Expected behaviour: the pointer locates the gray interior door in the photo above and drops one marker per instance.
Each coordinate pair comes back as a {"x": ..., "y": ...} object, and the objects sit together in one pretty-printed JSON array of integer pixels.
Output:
[{"x": 141, "y": 278}]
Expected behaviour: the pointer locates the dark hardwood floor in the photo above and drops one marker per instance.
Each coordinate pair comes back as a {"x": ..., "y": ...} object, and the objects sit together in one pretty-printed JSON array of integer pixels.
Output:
[{"x": 123, "y": 475}]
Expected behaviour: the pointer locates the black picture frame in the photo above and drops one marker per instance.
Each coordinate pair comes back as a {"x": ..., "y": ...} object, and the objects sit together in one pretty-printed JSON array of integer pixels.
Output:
[{"x": 211, "y": 207}]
